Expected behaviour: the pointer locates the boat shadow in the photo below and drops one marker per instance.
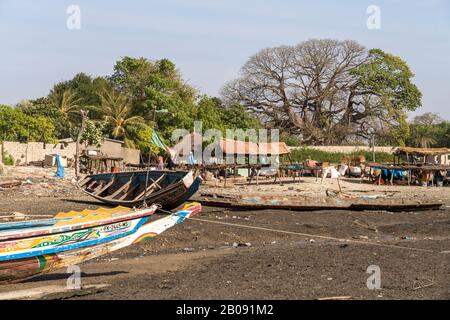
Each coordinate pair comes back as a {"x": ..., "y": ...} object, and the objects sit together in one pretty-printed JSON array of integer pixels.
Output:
[
  {"x": 103, "y": 204},
  {"x": 65, "y": 276}
]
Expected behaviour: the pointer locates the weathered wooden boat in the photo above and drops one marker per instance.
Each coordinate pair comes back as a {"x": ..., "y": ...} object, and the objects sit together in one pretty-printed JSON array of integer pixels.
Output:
[
  {"x": 311, "y": 203},
  {"x": 169, "y": 189},
  {"x": 39, "y": 247}
]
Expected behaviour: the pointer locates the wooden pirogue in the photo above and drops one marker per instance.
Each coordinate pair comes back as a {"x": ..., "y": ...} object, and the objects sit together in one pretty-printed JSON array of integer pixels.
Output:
[
  {"x": 37, "y": 247},
  {"x": 311, "y": 203},
  {"x": 169, "y": 189}
]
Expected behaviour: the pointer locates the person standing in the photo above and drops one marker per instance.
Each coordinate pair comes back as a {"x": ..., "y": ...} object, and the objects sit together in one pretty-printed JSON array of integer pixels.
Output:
[{"x": 160, "y": 165}]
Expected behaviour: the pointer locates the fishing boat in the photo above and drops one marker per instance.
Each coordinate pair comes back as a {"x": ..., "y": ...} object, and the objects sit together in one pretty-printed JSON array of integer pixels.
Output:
[
  {"x": 38, "y": 247},
  {"x": 334, "y": 201},
  {"x": 169, "y": 189}
]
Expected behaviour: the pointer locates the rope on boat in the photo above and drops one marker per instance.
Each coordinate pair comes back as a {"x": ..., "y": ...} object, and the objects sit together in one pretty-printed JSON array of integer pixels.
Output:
[
  {"x": 310, "y": 235},
  {"x": 144, "y": 204}
]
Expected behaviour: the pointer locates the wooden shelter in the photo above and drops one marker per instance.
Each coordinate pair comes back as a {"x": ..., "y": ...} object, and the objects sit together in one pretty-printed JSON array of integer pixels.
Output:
[
  {"x": 100, "y": 163},
  {"x": 244, "y": 148},
  {"x": 433, "y": 156}
]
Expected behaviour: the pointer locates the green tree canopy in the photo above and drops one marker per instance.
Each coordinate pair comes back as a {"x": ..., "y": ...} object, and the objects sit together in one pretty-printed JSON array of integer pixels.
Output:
[
  {"x": 209, "y": 112},
  {"x": 429, "y": 130},
  {"x": 157, "y": 91},
  {"x": 236, "y": 116},
  {"x": 18, "y": 126},
  {"x": 84, "y": 86},
  {"x": 94, "y": 133},
  {"x": 141, "y": 136}
]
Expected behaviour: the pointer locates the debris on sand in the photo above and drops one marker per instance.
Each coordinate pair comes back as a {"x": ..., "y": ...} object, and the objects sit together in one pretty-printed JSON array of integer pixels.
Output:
[
  {"x": 52, "y": 292},
  {"x": 15, "y": 216},
  {"x": 9, "y": 184},
  {"x": 336, "y": 298},
  {"x": 19, "y": 216},
  {"x": 241, "y": 244}
]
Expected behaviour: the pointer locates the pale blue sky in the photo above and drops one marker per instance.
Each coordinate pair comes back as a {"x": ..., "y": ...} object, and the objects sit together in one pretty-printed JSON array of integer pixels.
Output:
[{"x": 210, "y": 40}]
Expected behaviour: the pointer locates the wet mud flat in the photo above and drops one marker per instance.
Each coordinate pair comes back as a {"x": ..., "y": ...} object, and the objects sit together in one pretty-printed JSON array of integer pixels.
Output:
[{"x": 283, "y": 255}]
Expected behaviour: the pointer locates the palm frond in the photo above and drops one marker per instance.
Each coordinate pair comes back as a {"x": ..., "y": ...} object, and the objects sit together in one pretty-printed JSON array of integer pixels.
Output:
[{"x": 118, "y": 112}]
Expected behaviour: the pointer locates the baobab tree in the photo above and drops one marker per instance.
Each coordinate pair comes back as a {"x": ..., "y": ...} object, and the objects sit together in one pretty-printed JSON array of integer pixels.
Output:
[{"x": 327, "y": 91}]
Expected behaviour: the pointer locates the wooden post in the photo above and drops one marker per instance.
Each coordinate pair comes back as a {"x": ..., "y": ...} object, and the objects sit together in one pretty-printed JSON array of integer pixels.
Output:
[
  {"x": 84, "y": 118},
  {"x": 339, "y": 185},
  {"x": 432, "y": 177},
  {"x": 225, "y": 175},
  {"x": 373, "y": 147}
]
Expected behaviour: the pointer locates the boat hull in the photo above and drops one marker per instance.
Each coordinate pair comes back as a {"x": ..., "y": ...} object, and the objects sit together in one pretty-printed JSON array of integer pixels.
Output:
[
  {"x": 309, "y": 203},
  {"x": 54, "y": 243},
  {"x": 177, "y": 191},
  {"x": 24, "y": 268}
]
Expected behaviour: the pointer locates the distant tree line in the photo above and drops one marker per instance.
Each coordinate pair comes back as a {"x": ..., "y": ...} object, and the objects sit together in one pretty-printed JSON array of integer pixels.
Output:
[
  {"x": 429, "y": 130},
  {"x": 319, "y": 92},
  {"x": 140, "y": 95}
]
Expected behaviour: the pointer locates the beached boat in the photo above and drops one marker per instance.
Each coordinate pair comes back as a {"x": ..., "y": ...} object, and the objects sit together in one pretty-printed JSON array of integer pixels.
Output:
[
  {"x": 310, "y": 203},
  {"x": 38, "y": 247},
  {"x": 169, "y": 189}
]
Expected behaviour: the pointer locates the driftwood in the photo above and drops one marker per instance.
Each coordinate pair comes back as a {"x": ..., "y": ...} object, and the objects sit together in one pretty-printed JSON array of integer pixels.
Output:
[
  {"x": 10, "y": 183},
  {"x": 422, "y": 286}
]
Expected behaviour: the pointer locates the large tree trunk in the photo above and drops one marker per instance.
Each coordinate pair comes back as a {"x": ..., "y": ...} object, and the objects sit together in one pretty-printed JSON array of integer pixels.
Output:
[{"x": 84, "y": 118}]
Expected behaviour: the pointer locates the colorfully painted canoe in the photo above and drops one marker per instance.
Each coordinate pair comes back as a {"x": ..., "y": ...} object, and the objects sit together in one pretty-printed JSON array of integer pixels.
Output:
[
  {"x": 169, "y": 189},
  {"x": 76, "y": 237}
]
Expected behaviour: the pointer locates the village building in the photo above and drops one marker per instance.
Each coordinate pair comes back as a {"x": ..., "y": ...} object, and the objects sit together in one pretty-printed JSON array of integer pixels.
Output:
[{"x": 43, "y": 154}]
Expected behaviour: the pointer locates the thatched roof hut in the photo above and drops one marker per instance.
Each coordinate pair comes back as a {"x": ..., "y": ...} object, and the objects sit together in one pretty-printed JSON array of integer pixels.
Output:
[{"x": 422, "y": 151}]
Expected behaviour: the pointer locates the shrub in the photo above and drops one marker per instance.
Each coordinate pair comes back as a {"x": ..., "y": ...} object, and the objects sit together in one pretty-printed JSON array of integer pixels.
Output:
[
  {"x": 300, "y": 155},
  {"x": 8, "y": 159}
]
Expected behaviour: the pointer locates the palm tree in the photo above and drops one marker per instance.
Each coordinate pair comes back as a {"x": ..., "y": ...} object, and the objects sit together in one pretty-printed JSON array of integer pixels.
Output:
[
  {"x": 67, "y": 103},
  {"x": 118, "y": 113},
  {"x": 425, "y": 142},
  {"x": 423, "y": 136}
]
